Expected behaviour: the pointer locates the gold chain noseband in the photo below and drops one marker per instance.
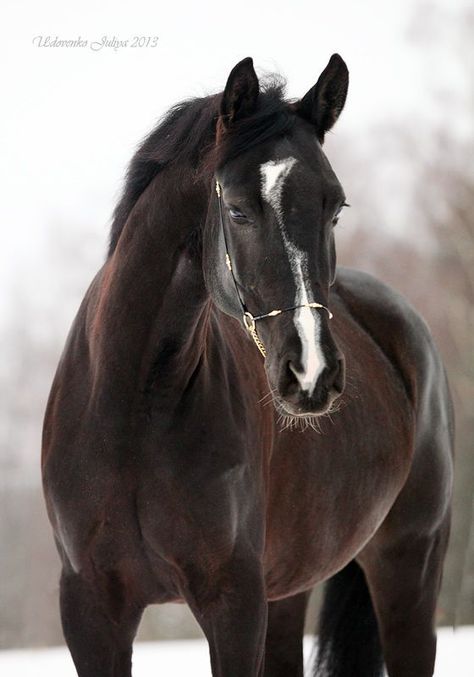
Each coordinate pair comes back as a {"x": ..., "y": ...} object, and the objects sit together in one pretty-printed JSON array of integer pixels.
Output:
[{"x": 249, "y": 320}]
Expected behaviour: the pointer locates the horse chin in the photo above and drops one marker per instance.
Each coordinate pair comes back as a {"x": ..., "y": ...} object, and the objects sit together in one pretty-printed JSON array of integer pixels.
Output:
[
  {"x": 288, "y": 420},
  {"x": 306, "y": 409},
  {"x": 299, "y": 412}
]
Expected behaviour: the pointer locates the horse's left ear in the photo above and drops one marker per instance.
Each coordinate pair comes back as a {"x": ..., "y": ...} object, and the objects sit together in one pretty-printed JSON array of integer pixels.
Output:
[
  {"x": 324, "y": 102},
  {"x": 240, "y": 94}
]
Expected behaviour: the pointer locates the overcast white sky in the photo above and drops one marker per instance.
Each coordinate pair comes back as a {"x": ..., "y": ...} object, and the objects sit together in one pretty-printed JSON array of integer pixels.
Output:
[{"x": 71, "y": 117}]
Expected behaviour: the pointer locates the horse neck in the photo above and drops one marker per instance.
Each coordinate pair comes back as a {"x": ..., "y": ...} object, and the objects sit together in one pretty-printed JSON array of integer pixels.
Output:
[{"x": 153, "y": 305}]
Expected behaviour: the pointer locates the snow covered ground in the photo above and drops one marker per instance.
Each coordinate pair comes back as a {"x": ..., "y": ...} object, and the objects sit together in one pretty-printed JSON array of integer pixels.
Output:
[{"x": 455, "y": 658}]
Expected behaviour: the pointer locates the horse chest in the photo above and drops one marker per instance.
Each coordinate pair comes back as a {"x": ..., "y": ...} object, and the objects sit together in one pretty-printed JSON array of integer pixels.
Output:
[{"x": 328, "y": 494}]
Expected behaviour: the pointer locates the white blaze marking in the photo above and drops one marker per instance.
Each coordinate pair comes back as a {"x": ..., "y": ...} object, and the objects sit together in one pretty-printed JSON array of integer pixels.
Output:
[{"x": 307, "y": 322}]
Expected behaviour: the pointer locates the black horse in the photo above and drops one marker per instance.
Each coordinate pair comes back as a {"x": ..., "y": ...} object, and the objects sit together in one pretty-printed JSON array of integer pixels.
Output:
[{"x": 181, "y": 465}]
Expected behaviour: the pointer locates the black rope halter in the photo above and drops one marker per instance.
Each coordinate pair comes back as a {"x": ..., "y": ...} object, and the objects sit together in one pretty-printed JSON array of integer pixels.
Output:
[{"x": 249, "y": 320}]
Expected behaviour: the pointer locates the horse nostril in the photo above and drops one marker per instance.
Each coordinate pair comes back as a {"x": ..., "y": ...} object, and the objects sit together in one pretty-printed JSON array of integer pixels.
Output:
[
  {"x": 293, "y": 369},
  {"x": 334, "y": 377},
  {"x": 340, "y": 380},
  {"x": 293, "y": 378}
]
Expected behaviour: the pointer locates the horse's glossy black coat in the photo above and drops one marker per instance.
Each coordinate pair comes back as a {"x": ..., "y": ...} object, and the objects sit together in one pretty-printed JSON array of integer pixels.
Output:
[{"x": 167, "y": 474}]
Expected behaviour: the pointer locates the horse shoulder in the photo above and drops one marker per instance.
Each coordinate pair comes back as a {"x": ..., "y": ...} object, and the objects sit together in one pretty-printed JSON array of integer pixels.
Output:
[
  {"x": 404, "y": 337},
  {"x": 398, "y": 330}
]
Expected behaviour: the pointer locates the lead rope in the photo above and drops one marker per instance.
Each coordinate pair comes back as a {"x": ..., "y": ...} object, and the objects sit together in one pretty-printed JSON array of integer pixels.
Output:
[{"x": 249, "y": 320}]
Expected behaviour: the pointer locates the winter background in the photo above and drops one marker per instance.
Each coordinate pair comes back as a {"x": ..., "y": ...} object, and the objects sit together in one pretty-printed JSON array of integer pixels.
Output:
[{"x": 71, "y": 118}]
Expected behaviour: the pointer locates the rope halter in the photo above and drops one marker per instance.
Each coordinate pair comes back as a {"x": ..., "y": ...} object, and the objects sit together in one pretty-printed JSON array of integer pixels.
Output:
[{"x": 250, "y": 320}]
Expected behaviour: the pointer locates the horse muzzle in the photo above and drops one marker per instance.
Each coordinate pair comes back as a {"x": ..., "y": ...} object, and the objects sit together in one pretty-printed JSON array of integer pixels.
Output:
[{"x": 301, "y": 394}]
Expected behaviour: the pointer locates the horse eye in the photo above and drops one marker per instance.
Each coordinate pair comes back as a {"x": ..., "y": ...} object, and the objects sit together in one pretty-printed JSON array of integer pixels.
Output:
[
  {"x": 338, "y": 213},
  {"x": 236, "y": 214},
  {"x": 336, "y": 217}
]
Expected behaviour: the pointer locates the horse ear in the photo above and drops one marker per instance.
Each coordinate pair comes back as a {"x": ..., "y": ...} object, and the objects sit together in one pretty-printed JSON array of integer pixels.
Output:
[
  {"x": 240, "y": 93},
  {"x": 324, "y": 102}
]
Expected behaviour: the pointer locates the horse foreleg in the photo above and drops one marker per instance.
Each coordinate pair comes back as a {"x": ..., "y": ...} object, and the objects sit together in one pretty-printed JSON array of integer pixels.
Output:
[
  {"x": 232, "y": 612},
  {"x": 98, "y": 633},
  {"x": 284, "y": 642},
  {"x": 404, "y": 581}
]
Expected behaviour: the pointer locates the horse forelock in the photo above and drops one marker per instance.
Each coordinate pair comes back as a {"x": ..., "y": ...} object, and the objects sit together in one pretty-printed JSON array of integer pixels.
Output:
[{"x": 272, "y": 117}]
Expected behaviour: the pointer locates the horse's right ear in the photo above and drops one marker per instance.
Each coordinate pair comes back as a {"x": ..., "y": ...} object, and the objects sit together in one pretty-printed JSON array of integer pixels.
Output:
[{"x": 240, "y": 94}]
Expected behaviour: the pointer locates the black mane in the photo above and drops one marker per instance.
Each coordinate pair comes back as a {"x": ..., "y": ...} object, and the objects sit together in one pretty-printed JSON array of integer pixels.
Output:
[{"x": 187, "y": 134}]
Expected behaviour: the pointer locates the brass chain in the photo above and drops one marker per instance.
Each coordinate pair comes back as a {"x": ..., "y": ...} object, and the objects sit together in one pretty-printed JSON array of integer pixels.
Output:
[{"x": 258, "y": 343}]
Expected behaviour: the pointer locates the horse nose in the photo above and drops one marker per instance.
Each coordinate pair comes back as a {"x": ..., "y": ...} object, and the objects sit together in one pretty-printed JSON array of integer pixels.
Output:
[
  {"x": 315, "y": 397},
  {"x": 332, "y": 377}
]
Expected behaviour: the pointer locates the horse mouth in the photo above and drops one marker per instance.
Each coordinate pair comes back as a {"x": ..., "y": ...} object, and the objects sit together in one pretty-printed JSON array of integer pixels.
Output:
[
  {"x": 306, "y": 408},
  {"x": 288, "y": 419}
]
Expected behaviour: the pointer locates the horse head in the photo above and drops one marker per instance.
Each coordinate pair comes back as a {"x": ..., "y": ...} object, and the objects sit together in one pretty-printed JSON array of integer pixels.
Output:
[{"x": 269, "y": 237}]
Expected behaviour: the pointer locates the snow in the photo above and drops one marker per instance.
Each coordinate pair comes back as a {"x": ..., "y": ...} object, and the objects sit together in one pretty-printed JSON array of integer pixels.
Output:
[{"x": 455, "y": 653}]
